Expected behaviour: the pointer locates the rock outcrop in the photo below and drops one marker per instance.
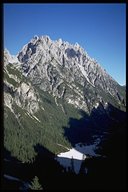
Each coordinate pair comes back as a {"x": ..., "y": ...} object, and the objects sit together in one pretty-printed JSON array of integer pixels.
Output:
[{"x": 65, "y": 71}]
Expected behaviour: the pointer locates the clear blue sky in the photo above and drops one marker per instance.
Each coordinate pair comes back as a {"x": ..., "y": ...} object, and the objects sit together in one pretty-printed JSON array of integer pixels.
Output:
[{"x": 99, "y": 28}]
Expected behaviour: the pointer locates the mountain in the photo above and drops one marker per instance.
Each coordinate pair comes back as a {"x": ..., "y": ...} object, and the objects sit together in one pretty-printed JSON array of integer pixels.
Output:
[
  {"x": 47, "y": 83},
  {"x": 66, "y": 71},
  {"x": 57, "y": 98}
]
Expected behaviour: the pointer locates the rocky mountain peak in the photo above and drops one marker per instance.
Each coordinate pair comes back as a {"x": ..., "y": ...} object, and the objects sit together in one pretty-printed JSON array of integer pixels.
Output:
[
  {"x": 8, "y": 58},
  {"x": 66, "y": 71}
]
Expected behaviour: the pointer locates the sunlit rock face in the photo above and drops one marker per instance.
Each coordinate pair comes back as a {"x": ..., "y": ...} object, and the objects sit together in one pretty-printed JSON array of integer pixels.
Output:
[
  {"x": 16, "y": 90},
  {"x": 67, "y": 72}
]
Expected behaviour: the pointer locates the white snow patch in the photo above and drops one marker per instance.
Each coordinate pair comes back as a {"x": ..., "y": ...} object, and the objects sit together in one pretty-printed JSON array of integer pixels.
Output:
[
  {"x": 72, "y": 153},
  {"x": 66, "y": 158},
  {"x": 78, "y": 154}
]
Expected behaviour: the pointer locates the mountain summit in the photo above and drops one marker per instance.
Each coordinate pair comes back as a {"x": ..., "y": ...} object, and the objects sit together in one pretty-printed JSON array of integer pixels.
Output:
[{"x": 66, "y": 71}]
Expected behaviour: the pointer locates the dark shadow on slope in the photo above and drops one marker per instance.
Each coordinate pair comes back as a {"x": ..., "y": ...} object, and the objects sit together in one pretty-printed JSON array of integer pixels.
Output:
[
  {"x": 54, "y": 176},
  {"x": 110, "y": 127},
  {"x": 51, "y": 174},
  {"x": 44, "y": 166},
  {"x": 99, "y": 122},
  {"x": 103, "y": 173},
  {"x": 79, "y": 130},
  {"x": 11, "y": 167}
]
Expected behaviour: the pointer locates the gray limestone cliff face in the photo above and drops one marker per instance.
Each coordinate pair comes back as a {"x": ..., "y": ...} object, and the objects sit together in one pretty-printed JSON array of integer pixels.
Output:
[
  {"x": 66, "y": 71},
  {"x": 16, "y": 91}
]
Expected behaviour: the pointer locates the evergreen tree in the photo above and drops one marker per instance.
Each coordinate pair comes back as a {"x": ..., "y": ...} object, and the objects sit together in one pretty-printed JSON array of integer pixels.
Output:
[{"x": 35, "y": 185}]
